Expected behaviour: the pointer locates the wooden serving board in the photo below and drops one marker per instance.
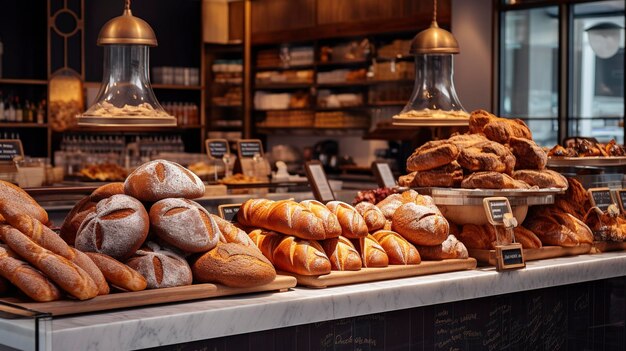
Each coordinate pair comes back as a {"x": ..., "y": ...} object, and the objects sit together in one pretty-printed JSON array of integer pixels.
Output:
[
  {"x": 489, "y": 256},
  {"x": 391, "y": 272},
  {"x": 145, "y": 297},
  {"x": 606, "y": 246}
]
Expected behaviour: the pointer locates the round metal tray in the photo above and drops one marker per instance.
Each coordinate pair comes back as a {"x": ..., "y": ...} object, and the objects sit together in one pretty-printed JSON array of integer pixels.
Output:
[
  {"x": 593, "y": 161},
  {"x": 459, "y": 196}
]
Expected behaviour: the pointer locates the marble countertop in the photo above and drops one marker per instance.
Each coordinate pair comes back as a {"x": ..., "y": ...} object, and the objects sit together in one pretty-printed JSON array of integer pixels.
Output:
[{"x": 205, "y": 319}]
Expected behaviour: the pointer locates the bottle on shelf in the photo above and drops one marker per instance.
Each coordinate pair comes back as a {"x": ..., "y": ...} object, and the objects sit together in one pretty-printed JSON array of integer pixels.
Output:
[
  {"x": 2, "y": 119},
  {"x": 10, "y": 112},
  {"x": 19, "y": 112},
  {"x": 41, "y": 111}
]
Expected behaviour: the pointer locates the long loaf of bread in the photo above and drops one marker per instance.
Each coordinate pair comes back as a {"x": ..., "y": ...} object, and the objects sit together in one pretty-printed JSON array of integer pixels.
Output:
[
  {"x": 286, "y": 217},
  {"x": 49, "y": 240},
  {"x": 117, "y": 273},
  {"x": 29, "y": 280},
  {"x": 342, "y": 254},
  {"x": 352, "y": 224},
  {"x": 331, "y": 223},
  {"x": 398, "y": 249},
  {"x": 68, "y": 276}
]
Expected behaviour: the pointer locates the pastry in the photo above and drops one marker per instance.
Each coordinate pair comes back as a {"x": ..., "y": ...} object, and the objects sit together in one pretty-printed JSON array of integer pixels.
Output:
[
  {"x": 162, "y": 268},
  {"x": 398, "y": 249},
  {"x": 161, "y": 179},
  {"x": 492, "y": 180}
]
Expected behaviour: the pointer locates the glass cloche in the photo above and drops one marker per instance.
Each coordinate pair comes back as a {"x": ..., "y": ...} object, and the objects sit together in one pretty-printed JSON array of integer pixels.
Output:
[
  {"x": 434, "y": 101},
  {"x": 125, "y": 96}
]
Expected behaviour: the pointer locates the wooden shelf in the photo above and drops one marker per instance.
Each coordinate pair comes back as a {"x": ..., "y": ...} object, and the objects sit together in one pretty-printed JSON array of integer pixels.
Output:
[
  {"x": 129, "y": 129},
  {"x": 22, "y": 125},
  {"x": 332, "y": 64},
  {"x": 281, "y": 86},
  {"x": 312, "y": 109},
  {"x": 283, "y": 68},
  {"x": 311, "y": 131},
  {"x": 387, "y": 103},
  {"x": 23, "y": 81},
  {"x": 176, "y": 87}
]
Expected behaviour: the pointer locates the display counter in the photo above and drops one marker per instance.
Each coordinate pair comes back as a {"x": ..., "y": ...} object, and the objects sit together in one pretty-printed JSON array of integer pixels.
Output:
[{"x": 223, "y": 317}]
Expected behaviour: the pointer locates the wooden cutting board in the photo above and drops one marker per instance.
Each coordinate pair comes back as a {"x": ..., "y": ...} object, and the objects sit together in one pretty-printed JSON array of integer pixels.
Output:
[
  {"x": 606, "y": 246},
  {"x": 489, "y": 256},
  {"x": 390, "y": 272},
  {"x": 144, "y": 298}
]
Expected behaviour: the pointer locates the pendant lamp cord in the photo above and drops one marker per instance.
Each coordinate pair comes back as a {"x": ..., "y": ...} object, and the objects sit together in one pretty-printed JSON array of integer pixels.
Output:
[
  {"x": 127, "y": 5},
  {"x": 434, "y": 10}
]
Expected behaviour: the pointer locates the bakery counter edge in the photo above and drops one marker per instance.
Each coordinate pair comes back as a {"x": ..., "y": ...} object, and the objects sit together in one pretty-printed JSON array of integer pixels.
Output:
[{"x": 184, "y": 322}]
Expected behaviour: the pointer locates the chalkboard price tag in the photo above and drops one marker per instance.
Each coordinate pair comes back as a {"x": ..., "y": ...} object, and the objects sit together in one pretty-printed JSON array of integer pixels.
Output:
[
  {"x": 217, "y": 148},
  {"x": 383, "y": 174},
  {"x": 509, "y": 257},
  {"x": 621, "y": 200},
  {"x": 229, "y": 212},
  {"x": 247, "y": 148},
  {"x": 317, "y": 177},
  {"x": 601, "y": 198},
  {"x": 496, "y": 208},
  {"x": 9, "y": 149}
]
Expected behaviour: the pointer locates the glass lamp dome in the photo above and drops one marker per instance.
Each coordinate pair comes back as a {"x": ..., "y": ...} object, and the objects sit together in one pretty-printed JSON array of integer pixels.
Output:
[{"x": 126, "y": 97}]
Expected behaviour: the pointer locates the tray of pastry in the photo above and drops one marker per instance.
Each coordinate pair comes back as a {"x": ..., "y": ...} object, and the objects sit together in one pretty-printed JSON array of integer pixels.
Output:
[
  {"x": 364, "y": 275},
  {"x": 461, "y": 196},
  {"x": 488, "y": 257},
  {"x": 589, "y": 161},
  {"x": 143, "y": 298}
]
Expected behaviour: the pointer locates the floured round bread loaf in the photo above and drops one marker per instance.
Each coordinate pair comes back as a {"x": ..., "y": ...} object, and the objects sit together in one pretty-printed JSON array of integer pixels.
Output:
[
  {"x": 161, "y": 179},
  {"x": 23, "y": 202},
  {"x": 162, "y": 268},
  {"x": 234, "y": 265},
  {"x": 117, "y": 228},
  {"x": 420, "y": 225},
  {"x": 184, "y": 224}
]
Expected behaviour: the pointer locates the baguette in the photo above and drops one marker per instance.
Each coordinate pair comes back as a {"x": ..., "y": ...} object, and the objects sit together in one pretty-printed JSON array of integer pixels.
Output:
[
  {"x": 117, "y": 273},
  {"x": 49, "y": 240},
  {"x": 398, "y": 249},
  {"x": 342, "y": 254},
  {"x": 352, "y": 223},
  {"x": 286, "y": 217},
  {"x": 291, "y": 254},
  {"x": 29, "y": 280},
  {"x": 68, "y": 276},
  {"x": 331, "y": 223},
  {"x": 373, "y": 216},
  {"x": 21, "y": 201},
  {"x": 372, "y": 254}
]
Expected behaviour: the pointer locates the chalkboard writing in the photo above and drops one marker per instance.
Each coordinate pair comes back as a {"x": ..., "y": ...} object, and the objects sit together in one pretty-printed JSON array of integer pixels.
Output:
[
  {"x": 509, "y": 257},
  {"x": 621, "y": 200},
  {"x": 512, "y": 256},
  {"x": 10, "y": 148},
  {"x": 216, "y": 148},
  {"x": 496, "y": 208},
  {"x": 249, "y": 148},
  {"x": 317, "y": 177},
  {"x": 229, "y": 212},
  {"x": 601, "y": 198},
  {"x": 384, "y": 176}
]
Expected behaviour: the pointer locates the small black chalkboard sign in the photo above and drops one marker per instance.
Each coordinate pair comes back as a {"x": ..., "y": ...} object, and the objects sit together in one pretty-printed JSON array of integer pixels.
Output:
[
  {"x": 384, "y": 175},
  {"x": 229, "y": 212},
  {"x": 9, "y": 149},
  {"x": 319, "y": 183},
  {"x": 621, "y": 200},
  {"x": 217, "y": 148},
  {"x": 496, "y": 208},
  {"x": 509, "y": 257},
  {"x": 601, "y": 198},
  {"x": 247, "y": 148}
]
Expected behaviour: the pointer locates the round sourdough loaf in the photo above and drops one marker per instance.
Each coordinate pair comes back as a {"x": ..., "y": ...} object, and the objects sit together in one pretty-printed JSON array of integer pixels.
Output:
[
  {"x": 184, "y": 224},
  {"x": 162, "y": 268},
  {"x": 234, "y": 265},
  {"x": 117, "y": 228},
  {"x": 161, "y": 179}
]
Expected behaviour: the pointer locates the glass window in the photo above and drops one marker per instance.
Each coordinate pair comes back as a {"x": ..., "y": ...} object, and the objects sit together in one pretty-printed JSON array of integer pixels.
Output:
[
  {"x": 529, "y": 70},
  {"x": 597, "y": 59}
]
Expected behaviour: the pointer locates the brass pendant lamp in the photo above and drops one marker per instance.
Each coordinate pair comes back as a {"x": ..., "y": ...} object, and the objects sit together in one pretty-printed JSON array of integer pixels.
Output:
[{"x": 126, "y": 97}]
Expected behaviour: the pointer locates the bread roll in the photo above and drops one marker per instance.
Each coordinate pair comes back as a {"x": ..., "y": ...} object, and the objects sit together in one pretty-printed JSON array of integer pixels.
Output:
[
  {"x": 449, "y": 175},
  {"x": 161, "y": 179},
  {"x": 528, "y": 155},
  {"x": 420, "y": 225},
  {"x": 184, "y": 224},
  {"x": 527, "y": 238},
  {"x": 230, "y": 233},
  {"x": 432, "y": 154},
  {"x": 26, "y": 278},
  {"x": 352, "y": 223},
  {"x": 291, "y": 254},
  {"x": 21, "y": 201},
  {"x": 497, "y": 129},
  {"x": 68, "y": 276},
  {"x": 397, "y": 248},
  {"x": 449, "y": 249},
  {"x": 487, "y": 156},
  {"x": 49, "y": 240},
  {"x": 342, "y": 254},
  {"x": 234, "y": 265},
  {"x": 330, "y": 221},
  {"x": 372, "y": 254},
  {"x": 550, "y": 231},
  {"x": 106, "y": 191},
  {"x": 117, "y": 228},
  {"x": 478, "y": 237},
  {"x": 390, "y": 204},
  {"x": 543, "y": 179},
  {"x": 492, "y": 180},
  {"x": 117, "y": 273},
  {"x": 286, "y": 217},
  {"x": 161, "y": 267},
  {"x": 373, "y": 216}
]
